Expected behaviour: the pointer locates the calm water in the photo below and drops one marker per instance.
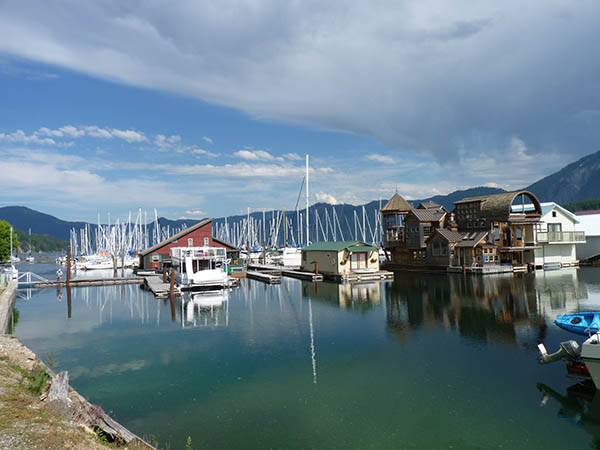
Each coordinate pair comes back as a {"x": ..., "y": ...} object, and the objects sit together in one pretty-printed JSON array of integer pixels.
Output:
[{"x": 424, "y": 362}]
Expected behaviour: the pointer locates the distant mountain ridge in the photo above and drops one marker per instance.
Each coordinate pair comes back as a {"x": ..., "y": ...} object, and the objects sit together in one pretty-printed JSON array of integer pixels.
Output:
[{"x": 577, "y": 181}]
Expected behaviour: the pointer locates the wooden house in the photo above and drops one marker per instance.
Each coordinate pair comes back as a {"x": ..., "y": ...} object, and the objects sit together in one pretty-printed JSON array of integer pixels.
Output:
[
  {"x": 198, "y": 235},
  {"x": 420, "y": 224},
  {"x": 441, "y": 247},
  {"x": 339, "y": 258},
  {"x": 511, "y": 218}
]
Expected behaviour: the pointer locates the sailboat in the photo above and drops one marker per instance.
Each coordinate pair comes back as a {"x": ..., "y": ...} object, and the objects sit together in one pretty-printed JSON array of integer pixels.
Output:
[{"x": 29, "y": 257}]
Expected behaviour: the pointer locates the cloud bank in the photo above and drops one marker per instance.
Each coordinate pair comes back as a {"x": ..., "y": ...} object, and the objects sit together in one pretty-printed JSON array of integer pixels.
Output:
[{"x": 438, "y": 77}]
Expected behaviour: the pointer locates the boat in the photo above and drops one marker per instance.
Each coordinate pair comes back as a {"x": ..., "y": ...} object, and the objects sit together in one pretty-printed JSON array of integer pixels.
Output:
[
  {"x": 583, "y": 323},
  {"x": 200, "y": 267}
]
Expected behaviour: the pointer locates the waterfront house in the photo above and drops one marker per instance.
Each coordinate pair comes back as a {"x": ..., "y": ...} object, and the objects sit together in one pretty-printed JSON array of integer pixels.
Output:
[
  {"x": 441, "y": 247},
  {"x": 393, "y": 214},
  {"x": 589, "y": 223},
  {"x": 512, "y": 218},
  {"x": 198, "y": 235},
  {"x": 339, "y": 258},
  {"x": 557, "y": 237}
]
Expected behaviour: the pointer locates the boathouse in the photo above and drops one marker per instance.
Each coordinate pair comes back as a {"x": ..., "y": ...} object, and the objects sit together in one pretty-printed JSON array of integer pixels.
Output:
[
  {"x": 198, "y": 235},
  {"x": 441, "y": 247},
  {"x": 339, "y": 258}
]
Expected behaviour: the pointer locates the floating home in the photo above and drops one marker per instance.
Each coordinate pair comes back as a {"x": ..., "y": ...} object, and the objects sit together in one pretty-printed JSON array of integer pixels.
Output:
[
  {"x": 589, "y": 223},
  {"x": 198, "y": 235},
  {"x": 505, "y": 232},
  {"x": 343, "y": 260}
]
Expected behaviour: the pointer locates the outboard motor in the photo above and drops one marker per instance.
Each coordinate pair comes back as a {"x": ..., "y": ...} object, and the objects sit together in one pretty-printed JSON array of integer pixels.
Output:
[{"x": 567, "y": 350}]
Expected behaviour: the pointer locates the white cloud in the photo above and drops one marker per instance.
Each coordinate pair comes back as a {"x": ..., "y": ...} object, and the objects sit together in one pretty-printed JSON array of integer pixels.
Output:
[
  {"x": 326, "y": 198},
  {"x": 193, "y": 214},
  {"x": 44, "y": 131},
  {"x": 207, "y": 139},
  {"x": 415, "y": 75},
  {"x": 97, "y": 132},
  {"x": 71, "y": 131},
  {"x": 293, "y": 156},
  {"x": 380, "y": 158},
  {"x": 130, "y": 136},
  {"x": 256, "y": 155},
  {"x": 19, "y": 136}
]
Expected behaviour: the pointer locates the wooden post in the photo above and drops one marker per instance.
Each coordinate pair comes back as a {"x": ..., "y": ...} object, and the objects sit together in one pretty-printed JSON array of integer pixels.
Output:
[
  {"x": 172, "y": 284},
  {"x": 172, "y": 294},
  {"x": 164, "y": 274},
  {"x": 68, "y": 267},
  {"x": 68, "y": 301},
  {"x": 317, "y": 268}
]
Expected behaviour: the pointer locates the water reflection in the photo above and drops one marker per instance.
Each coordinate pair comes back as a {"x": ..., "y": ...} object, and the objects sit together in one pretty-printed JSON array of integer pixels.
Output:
[
  {"x": 511, "y": 309},
  {"x": 205, "y": 309},
  {"x": 355, "y": 296},
  {"x": 580, "y": 405}
]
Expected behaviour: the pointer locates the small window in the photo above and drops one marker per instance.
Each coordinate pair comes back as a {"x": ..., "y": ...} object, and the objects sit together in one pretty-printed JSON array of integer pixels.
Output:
[
  {"x": 206, "y": 242},
  {"x": 190, "y": 242},
  {"x": 553, "y": 213}
]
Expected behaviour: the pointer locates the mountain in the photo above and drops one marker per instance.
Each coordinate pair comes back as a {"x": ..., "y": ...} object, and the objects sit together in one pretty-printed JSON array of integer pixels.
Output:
[
  {"x": 23, "y": 218},
  {"x": 576, "y": 182}
]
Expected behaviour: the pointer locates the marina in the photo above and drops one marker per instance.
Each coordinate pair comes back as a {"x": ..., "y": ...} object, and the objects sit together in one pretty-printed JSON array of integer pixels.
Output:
[{"x": 281, "y": 354}]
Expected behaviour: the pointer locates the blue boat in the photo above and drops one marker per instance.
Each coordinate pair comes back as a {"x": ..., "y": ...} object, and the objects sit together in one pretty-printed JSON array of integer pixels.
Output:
[{"x": 583, "y": 323}]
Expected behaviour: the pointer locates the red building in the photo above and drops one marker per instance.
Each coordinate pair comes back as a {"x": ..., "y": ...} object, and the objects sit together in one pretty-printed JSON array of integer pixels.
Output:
[{"x": 198, "y": 235}]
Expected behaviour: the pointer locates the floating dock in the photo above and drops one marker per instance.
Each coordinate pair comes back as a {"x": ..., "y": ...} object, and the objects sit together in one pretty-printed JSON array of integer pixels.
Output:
[
  {"x": 286, "y": 272},
  {"x": 265, "y": 277},
  {"x": 362, "y": 276},
  {"x": 83, "y": 282},
  {"x": 155, "y": 284}
]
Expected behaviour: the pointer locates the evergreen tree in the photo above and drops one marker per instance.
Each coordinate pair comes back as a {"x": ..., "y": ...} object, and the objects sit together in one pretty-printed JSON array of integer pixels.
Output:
[{"x": 5, "y": 240}]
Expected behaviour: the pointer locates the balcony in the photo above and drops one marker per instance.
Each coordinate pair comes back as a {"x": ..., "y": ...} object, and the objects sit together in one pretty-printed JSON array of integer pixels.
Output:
[{"x": 561, "y": 237}]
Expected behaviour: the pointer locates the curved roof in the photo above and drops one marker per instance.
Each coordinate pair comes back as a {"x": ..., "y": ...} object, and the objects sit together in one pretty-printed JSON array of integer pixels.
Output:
[
  {"x": 397, "y": 203},
  {"x": 498, "y": 206}
]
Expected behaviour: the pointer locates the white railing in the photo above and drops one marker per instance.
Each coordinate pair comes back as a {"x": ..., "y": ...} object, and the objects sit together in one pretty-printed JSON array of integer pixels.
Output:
[{"x": 561, "y": 237}]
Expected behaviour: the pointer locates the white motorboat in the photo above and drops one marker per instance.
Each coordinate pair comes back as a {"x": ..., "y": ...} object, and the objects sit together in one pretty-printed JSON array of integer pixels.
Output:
[
  {"x": 582, "y": 361},
  {"x": 200, "y": 267}
]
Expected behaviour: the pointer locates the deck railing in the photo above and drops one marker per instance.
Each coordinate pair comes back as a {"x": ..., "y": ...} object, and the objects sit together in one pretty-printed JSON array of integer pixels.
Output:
[{"x": 561, "y": 237}]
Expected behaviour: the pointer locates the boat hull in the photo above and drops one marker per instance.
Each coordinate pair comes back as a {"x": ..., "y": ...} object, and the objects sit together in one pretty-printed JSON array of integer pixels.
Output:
[{"x": 585, "y": 323}]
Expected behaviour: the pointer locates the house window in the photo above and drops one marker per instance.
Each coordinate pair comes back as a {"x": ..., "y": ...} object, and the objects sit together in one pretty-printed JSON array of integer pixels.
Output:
[
  {"x": 519, "y": 231},
  {"x": 155, "y": 258},
  {"x": 436, "y": 250},
  {"x": 190, "y": 242},
  {"x": 554, "y": 227},
  {"x": 553, "y": 213},
  {"x": 496, "y": 233},
  {"x": 206, "y": 242}
]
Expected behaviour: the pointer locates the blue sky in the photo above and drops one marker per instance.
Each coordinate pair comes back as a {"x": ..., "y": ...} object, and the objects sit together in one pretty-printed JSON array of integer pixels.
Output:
[{"x": 205, "y": 109}]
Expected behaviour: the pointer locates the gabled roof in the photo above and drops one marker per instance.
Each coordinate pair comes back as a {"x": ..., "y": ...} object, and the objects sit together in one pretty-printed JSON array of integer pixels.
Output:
[
  {"x": 226, "y": 244},
  {"x": 176, "y": 236},
  {"x": 337, "y": 246},
  {"x": 549, "y": 206},
  {"x": 472, "y": 241},
  {"x": 397, "y": 203},
  {"x": 449, "y": 235},
  {"x": 428, "y": 215}
]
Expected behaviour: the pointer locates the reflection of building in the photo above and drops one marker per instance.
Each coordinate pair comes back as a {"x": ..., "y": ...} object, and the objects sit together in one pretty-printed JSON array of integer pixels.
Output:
[
  {"x": 559, "y": 292},
  {"x": 346, "y": 295},
  {"x": 210, "y": 308},
  {"x": 495, "y": 308}
]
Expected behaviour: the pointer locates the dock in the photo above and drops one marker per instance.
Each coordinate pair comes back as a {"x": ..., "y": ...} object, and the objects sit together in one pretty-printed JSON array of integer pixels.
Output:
[
  {"x": 155, "y": 284},
  {"x": 265, "y": 277},
  {"x": 286, "y": 272},
  {"x": 362, "y": 276},
  {"x": 83, "y": 282}
]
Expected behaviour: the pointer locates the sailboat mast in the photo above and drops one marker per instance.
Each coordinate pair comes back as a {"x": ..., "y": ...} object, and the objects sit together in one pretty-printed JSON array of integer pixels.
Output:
[{"x": 307, "y": 226}]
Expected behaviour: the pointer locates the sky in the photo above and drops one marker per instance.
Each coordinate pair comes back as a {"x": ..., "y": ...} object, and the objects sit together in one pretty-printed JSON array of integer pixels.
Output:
[{"x": 201, "y": 108}]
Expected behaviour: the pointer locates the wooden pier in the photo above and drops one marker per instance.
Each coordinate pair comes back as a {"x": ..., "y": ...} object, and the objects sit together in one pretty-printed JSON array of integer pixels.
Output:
[
  {"x": 265, "y": 277},
  {"x": 362, "y": 276},
  {"x": 286, "y": 272},
  {"x": 155, "y": 284},
  {"x": 84, "y": 282}
]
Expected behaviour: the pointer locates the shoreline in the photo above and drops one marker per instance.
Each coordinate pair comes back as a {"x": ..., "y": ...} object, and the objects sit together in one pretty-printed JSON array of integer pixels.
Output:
[{"x": 61, "y": 407}]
